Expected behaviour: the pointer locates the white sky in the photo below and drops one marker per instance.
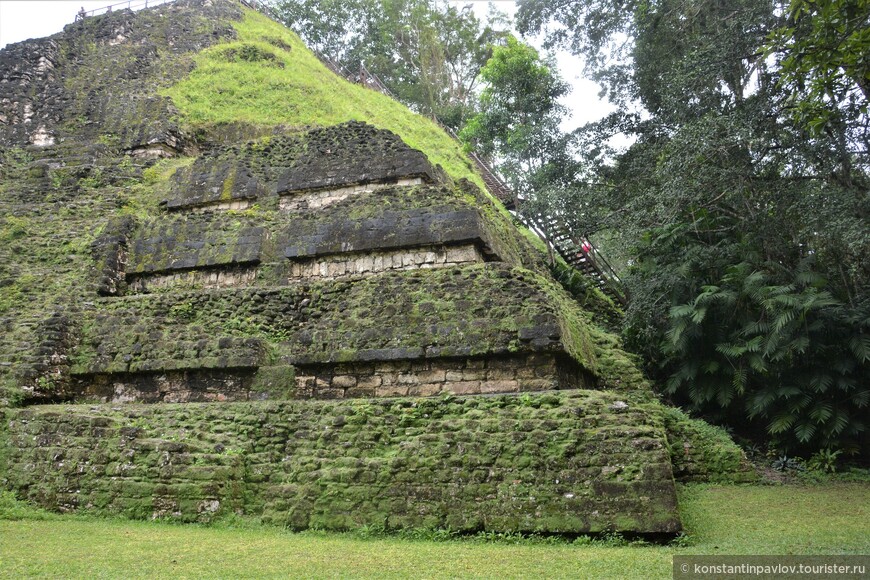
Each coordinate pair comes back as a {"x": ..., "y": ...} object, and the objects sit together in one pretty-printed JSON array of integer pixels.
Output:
[{"x": 24, "y": 19}]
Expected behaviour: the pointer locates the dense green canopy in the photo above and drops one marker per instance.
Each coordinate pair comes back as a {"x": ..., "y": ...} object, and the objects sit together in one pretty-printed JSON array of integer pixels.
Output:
[{"x": 742, "y": 204}]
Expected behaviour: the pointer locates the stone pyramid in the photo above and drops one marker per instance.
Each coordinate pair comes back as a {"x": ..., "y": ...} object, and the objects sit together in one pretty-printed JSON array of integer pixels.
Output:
[{"x": 314, "y": 324}]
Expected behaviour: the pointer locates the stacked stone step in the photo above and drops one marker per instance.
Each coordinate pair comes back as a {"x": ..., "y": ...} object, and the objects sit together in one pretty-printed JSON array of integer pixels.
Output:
[{"x": 346, "y": 203}]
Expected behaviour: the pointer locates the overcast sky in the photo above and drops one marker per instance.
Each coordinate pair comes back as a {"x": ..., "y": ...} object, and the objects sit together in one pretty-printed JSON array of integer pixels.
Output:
[{"x": 23, "y": 19}]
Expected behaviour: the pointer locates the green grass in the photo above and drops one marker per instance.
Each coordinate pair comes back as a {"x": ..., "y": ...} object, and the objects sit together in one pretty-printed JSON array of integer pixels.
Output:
[
  {"x": 292, "y": 87},
  {"x": 831, "y": 518}
]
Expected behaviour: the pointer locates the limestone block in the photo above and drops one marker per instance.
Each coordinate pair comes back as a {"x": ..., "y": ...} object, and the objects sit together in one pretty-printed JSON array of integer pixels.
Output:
[
  {"x": 180, "y": 396},
  {"x": 344, "y": 381},
  {"x": 345, "y": 369},
  {"x": 425, "y": 390},
  {"x": 501, "y": 374},
  {"x": 219, "y": 397},
  {"x": 499, "y": 386},
  {"x": 473, "y": 375},
  {"x": 463, "y": 387},
  {"x": 357, "y": 369},
  {"x": 432, "y": 376},
  {"x": 408, "y": 379},
  {"x": 392, "y": 391},
  {"x": 393, "y": 366},
  {"x": 369, "y": 382},
  {"x": 360, "y": 392},
  {"x": 537, "y": 384},
  {"x": 466, "y": 254},
  {"x": 525, "y": 373},
  {"x": 418, "y": 366},
  {"x": 453, "y": 376},
  {"x": 541, "y": 360},
  {"x": 305, "y": 386},
  {"x": 124, "y": 393}
]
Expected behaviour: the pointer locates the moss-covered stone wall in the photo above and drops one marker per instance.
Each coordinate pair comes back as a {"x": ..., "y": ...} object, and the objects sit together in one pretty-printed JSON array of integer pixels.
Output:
[
  {"x": 235, "y": 370},
  {"x": 322, "y": 158},
  {"x": 704, "y": 452},
  {"x": 571, "y": 462},
  {"x": 473, "y": 310},
  {"x": 355, "y": 153},
  {"x": 389, "y": 218},
  {"x": 456, "y": 376},
  {"x": 319, "y": 198},
  {"x": 359, "y": 264}
]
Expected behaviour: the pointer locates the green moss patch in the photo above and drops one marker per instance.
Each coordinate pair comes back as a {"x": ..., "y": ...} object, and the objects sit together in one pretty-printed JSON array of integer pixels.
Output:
[{"x": 703, "y": 452}]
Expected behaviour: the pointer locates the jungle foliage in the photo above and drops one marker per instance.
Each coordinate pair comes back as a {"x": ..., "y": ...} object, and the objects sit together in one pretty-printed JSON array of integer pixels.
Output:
[{"x": 742, "y": 205}]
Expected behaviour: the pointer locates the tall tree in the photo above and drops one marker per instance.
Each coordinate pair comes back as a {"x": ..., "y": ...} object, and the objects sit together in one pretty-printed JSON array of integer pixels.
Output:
[{"x": 518, "y": 123}]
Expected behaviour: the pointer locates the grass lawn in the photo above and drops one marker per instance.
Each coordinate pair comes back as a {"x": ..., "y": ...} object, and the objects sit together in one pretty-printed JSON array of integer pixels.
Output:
[{"x": 830, "y": 518}]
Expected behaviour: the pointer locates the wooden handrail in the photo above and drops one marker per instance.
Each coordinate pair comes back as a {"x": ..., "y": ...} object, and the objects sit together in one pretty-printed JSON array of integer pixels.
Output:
[{"x": 128, "y": 5}]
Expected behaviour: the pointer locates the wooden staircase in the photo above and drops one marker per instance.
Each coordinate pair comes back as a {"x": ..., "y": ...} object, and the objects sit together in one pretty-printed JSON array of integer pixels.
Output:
[{"x": 579, "y": 253}]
